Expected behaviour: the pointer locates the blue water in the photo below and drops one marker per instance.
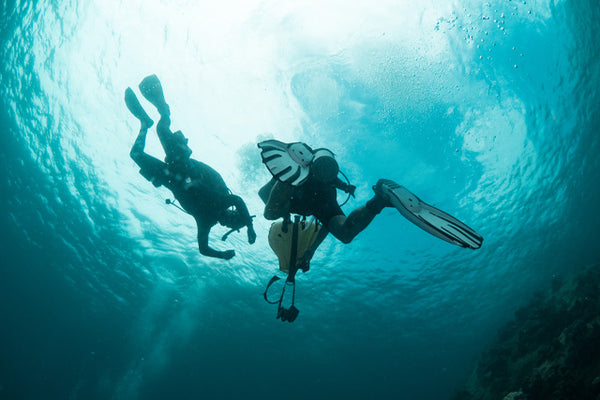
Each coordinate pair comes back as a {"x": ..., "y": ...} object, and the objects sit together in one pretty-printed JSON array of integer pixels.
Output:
[{"x": 488, "y": 110}]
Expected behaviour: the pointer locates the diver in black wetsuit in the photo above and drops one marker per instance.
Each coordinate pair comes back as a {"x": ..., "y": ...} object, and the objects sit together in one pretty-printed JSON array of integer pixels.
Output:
[
  {"x": 199, "y": 189},
  {"x": 305, "y": 183}
]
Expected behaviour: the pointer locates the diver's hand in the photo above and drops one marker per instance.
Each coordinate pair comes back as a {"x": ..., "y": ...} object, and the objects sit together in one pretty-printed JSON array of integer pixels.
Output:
[
  {"x": 346, "y": 187},
  {"x": 227, "y": 254},
  {"x": 350, "y": 189},
  {"x": 251, "y": 234}
]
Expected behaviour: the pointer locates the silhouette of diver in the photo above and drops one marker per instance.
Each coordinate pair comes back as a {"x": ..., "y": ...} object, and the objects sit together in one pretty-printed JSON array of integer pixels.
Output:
[
  {"x": 200, "y": 190},
  {"x": 305, "y": 182}
]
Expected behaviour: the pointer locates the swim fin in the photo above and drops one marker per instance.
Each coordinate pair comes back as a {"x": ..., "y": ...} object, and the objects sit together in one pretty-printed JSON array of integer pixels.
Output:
[
  {"x": 288, "y": 163},
  {"x": 153, "y": 92},
  {"x": 426, "y": 217},
  {"x": 134, "y": 106}
]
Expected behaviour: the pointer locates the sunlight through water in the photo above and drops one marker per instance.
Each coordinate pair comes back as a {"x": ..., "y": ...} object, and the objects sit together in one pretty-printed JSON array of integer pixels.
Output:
[{"x": 487, "y": 110}]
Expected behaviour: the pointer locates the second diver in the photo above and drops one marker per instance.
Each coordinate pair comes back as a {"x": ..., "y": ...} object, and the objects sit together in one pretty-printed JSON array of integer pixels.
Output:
[{"x": 199, "y": 189}]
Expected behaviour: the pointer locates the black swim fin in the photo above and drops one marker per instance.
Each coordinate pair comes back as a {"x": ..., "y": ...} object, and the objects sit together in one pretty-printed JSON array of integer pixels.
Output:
[
  {"x": 134, "y": 106},
  {"x": 153, "y": 92}
]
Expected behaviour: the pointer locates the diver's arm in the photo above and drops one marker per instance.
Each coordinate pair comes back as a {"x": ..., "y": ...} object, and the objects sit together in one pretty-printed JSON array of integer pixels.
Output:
[
  {"x": 346, "y": 187},
  {"x": 203, "y": 231},
  {"x": 278, "y": 204}
]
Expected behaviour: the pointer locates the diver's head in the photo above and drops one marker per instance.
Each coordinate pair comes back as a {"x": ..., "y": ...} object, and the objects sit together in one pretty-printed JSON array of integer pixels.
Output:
[
  {"x": 324, "y": 168},
  {"x": 233, "y": 219},
  {"x": 178, "y": 149}
]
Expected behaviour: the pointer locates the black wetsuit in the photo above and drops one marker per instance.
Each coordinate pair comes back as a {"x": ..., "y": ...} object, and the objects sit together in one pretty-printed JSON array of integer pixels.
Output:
[
  {"x": 316, "y": 198},
  {"x": 200, "y": 190}
]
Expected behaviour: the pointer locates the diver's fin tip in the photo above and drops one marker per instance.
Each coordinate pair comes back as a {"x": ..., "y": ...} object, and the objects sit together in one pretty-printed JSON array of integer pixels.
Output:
[
  {"x": 134, "y": 106},
  {"x": 152, "y": 90}
]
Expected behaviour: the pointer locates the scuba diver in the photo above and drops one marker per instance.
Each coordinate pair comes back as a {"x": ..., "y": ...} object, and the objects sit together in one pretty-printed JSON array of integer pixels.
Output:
[
  {"x": 305, "y": 182},
  {"x": 199, "y": 189}
]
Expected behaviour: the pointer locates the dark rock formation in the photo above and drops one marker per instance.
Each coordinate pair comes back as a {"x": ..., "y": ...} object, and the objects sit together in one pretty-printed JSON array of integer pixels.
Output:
[{"x": 549, "y": 351}]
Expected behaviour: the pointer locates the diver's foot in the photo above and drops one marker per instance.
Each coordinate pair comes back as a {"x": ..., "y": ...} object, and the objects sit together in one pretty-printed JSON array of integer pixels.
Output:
[
  {"x": 134, "y": 106},
  {"x": 382, "y": 198},
  {"x": 383, "y": 190},
  {"x": 153, "y": 92}
]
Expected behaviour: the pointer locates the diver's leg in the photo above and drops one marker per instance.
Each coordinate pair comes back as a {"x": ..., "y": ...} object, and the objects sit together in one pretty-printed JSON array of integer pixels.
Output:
[
  {"x": 151, "y": 168},
  {"x": 152, "y": 90},
  {"x": 163, "y": 130},
  {"x": 346, "y": 228},
  {"x": 137, "y": 150}
]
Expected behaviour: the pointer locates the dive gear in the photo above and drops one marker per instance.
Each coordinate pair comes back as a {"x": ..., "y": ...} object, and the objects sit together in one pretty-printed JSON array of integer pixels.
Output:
[
  {"x": 282, "y": 243},
  {"x": 153, "y": 92},
  {"x": 287, "y": 314},
  {"x": 288, "y": 163},
  {"x": 134, "y": 106},
  {"x": 426, "y": 217},
  {"x": 292, "y": 163}
]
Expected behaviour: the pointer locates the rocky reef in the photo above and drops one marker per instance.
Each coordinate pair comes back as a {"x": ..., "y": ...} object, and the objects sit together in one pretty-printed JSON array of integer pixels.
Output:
[{"x": 549, "y": 351}]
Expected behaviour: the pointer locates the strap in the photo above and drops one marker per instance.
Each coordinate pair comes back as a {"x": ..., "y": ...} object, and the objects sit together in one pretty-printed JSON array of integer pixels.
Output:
[
  {"x": 293, "y": 293},
  {"x": 345, "y": 188},
  {"x": 290, "y": 313},
  {"x": 294, "y": 251},
  {"x": 285, "y": 223},
  {"x": 272, "y": 281},
  {"x": 278, "y": 302},
  {"x": 172, "y": 202},
  {"x": 224, "y": 237}
]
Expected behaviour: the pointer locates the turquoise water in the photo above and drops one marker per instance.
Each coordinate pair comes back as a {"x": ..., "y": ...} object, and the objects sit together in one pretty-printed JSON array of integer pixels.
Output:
[{"x": 486, "y": 110}]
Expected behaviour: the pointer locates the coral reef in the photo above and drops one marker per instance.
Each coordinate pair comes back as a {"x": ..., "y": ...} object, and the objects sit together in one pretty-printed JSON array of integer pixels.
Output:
[{"x": 549, "y": 351}]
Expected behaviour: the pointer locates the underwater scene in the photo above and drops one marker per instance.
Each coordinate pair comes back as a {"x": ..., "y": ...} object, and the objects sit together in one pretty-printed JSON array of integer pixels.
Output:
[{"x": 487, "y": 110}]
